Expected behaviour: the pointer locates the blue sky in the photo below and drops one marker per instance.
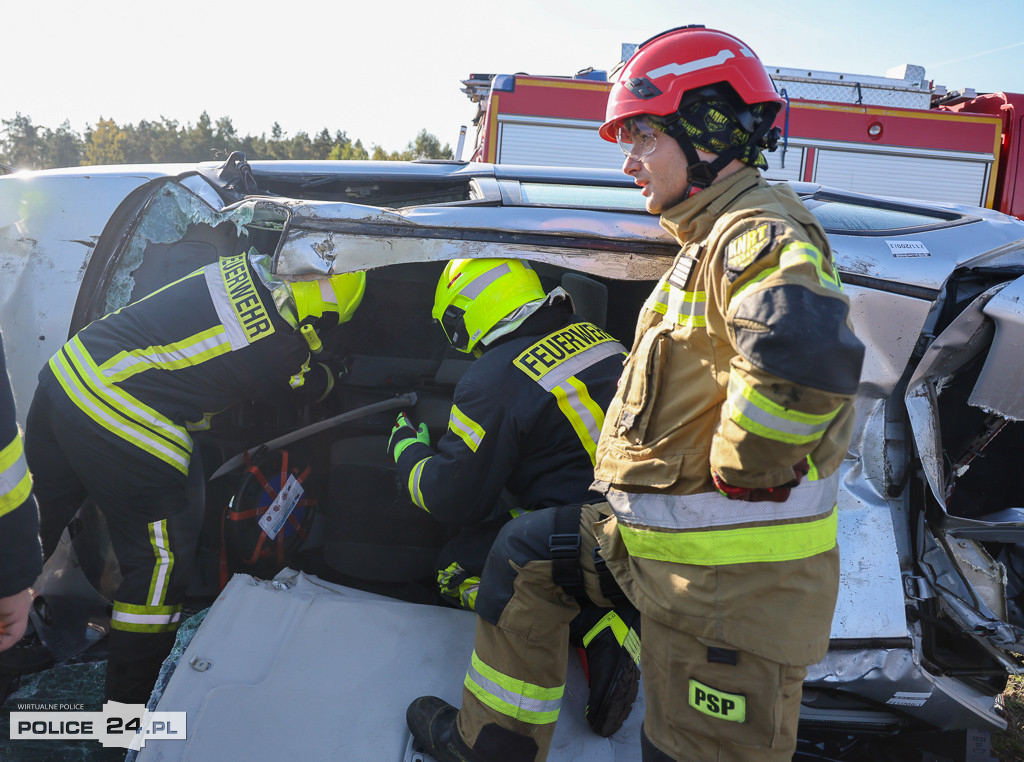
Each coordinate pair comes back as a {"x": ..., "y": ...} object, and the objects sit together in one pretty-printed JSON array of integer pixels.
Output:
[{"x": 383, "y": 71}]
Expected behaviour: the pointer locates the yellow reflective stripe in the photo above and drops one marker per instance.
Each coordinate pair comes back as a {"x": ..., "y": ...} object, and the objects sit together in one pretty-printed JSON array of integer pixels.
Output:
[
  {"x": 579, "y": 408},
  {"x": 793, "y": 254},
  {"x": 684, "y": 308},
  {"x": 777, "y": 542},
  {"x": 299, "y": 379},
  {"x": 625, "y": 635},
  {"x": 134, "y": 618},
  {"x": 754, "y": 412},
  {"x": 813, "y": 474},
  {"x": 161, "y": 578},
  {"x": 15, "y": 481},
  {"x": 193, "y": 350},
  {"x": 66, "y": 369},
  {"x": 414, "y": 484},
  {"x": 800, "y": 251},
  {"x": 468, "y": 430},
  {"x": 136, "y": 411},
  {"x": 517, "y": 699},
  {"x": 203, "y": 424}
]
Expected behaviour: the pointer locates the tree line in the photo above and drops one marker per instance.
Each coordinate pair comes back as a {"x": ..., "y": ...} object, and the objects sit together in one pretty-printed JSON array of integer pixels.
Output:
[{"x": 24, "y": 145}]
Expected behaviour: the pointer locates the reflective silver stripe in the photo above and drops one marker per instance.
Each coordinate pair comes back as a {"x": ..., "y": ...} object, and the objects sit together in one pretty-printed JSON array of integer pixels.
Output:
[
  {"x": 678, "y": 69},
  {"x": 164, "y": 562},
  {"x": 684, "y": 308},
  {"x": 133, "y": 434},
  {"x": 795, "y": 431},
  {"x": 181, "y": 353},
  {"x": 706, "y": 510},
  {"x": 124, "y": 616},
  {"x": 459, "y": 423},
  {"x": 12, "y": 466},
  {"x": 475, "y": 287},
  {"x": 572, "y": 398},
  {"x": 326, "y": 291},
  {"x": 518, "y": 700},
  {"x": 415, "y": 493},
  {"x": 225, "y": 309},
  {"x": 558, "y": 375},
  {"x": 128, "y": 406}
]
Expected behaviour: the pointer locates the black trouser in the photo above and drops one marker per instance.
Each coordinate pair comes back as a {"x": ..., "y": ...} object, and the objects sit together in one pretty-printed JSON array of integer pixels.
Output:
[{"x": 153, "y": 534}]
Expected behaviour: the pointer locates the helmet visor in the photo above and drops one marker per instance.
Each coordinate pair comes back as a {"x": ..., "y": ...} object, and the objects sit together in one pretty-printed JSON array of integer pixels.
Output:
[{"x": 637, "y": 138}]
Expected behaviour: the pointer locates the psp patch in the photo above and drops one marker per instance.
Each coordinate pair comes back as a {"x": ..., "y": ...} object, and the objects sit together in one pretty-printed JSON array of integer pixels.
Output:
[
  {"x": 744, "y": 249},
  {"x": 715, "y": 703}
]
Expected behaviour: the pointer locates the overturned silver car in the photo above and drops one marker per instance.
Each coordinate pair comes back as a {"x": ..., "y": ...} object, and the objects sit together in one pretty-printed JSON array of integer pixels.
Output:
[{"x": 930, "y": 620}]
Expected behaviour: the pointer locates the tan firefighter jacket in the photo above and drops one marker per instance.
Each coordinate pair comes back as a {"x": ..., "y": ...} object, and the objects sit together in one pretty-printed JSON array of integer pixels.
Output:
[{"x": 744, "y": 362}]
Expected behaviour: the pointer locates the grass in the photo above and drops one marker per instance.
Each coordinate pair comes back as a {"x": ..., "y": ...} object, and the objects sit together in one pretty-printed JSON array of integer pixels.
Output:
[{"x": 1008, "y": 746}]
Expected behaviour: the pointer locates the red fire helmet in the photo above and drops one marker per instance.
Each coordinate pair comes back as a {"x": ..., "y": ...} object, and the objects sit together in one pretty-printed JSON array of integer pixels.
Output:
[{"x": 665, "y": 67}]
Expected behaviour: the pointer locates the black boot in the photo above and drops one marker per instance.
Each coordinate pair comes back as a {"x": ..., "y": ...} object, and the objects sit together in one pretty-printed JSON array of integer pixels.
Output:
[
  {"x": 610, "y": 647},
  {"x": 433, "y": 725}
]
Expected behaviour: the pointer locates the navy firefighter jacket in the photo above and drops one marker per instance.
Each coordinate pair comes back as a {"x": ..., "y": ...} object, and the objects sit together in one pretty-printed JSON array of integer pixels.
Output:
[
  {"x": 149, "y": 373},
  {"x": 525, "y": 418},
  {"x": 21, "y": 558}
]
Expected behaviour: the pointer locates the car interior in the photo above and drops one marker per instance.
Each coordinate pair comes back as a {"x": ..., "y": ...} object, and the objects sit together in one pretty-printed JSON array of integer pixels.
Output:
[{"x": 354, "y": 524}]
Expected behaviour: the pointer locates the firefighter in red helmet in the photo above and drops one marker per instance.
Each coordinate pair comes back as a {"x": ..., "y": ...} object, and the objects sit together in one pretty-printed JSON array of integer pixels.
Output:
[{"x": 719, "y": 457}]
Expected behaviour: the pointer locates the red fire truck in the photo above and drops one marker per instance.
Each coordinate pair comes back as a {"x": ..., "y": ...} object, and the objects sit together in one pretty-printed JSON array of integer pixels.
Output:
[{"x": 898, "y": 135}]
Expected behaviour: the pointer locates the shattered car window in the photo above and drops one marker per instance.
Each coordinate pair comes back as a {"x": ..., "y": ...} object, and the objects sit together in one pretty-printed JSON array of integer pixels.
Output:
[{"x": 174, "y": 219}]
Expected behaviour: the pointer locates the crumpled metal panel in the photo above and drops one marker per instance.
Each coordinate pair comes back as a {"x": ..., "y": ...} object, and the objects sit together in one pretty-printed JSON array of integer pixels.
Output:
[
  {"x": 321, "y": 238},
  {"x": 894, "y": 678},
  {"x": 965, "y": 338},
  {"x": 998, "y": 389},
  {"x": 970, "y": 586}
]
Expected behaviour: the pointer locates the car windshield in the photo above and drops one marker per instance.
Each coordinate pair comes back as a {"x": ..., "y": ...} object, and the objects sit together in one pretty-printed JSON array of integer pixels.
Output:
[{"x": 846, "y": 216}]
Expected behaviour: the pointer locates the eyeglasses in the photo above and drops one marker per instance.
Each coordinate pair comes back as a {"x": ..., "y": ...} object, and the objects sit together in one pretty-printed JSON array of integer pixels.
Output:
[{"x": 637, "y": 138}]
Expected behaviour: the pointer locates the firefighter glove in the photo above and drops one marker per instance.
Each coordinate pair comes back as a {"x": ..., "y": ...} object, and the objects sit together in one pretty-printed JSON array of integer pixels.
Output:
[
  {"x": 756, "y": 494},
  {"x": 404, "y": 434}
]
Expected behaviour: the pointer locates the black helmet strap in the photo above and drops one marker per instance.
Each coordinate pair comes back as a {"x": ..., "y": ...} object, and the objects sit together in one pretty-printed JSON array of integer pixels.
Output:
[{"x": 703, "y": 173}]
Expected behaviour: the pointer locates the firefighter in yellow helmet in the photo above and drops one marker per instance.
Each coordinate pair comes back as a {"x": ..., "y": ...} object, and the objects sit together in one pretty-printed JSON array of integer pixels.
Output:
[
  {"x": 115, "y": 407},
  {"x": 720, "y": 453},
  {"x": 521, "y": 438}
]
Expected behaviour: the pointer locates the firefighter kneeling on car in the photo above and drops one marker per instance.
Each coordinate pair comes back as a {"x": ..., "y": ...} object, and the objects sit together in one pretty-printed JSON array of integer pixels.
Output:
[
  {"x": 114, "y": 407},
  {"x": 521, "y": 437},
  {"x": 719, "y": 457}
]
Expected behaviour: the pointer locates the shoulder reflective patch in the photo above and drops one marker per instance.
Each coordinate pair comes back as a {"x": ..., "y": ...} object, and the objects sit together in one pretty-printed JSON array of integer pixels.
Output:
[
  {"x": 560, "y": 347},
  {"x": 680, "y": 274},
  {"x": 249, "y": 310},
  {"x": 714, "y": 703},
  {"x": 745, "y": 248}
]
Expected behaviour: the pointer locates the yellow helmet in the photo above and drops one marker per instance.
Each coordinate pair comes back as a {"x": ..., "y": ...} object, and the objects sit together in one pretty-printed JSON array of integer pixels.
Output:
[
  {"x": 340, "y": 294},
  {"x": 474, "y": 294}
]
